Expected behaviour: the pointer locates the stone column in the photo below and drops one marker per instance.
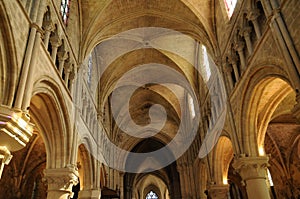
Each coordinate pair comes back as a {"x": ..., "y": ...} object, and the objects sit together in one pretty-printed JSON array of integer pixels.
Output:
[
  {"x": 55, "y": 42},
  {"x": 252, "y": 16},
  {"x": 62, "y": 56},
  {"x": 71, "y": 79},
  {"x": 60, "y": 182},
  {"x": 68, "y": 69},
  {"x": 180, "y": 169},
  {"x": 5, "y": 158},
  {"x": 90, "y": 194},
  {"x": 218, "y": 191},
  {"x": 121, "y": 184},
  {"x": 227, "y": 72},
  {"x": 48, "y": 28},
  {"x": 246, "y": 34},
  {"x": 253, "y": 171},
  {"x": 233, "y": 61},
  {"x": 239, "y": 46}
]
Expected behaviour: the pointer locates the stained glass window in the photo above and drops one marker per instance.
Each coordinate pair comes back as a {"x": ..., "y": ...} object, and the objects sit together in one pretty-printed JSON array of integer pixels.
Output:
[
  {"x": 151, "y": 195},
  {"x": 65, "y": 10},
  {"x": 230, "y": 5}
]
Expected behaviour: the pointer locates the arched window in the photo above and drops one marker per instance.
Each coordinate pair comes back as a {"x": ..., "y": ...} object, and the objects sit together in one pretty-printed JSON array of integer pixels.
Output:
[
  {"x": 89, "y": 71},
  {"x": 151, "y": 195},
  {"x": 65, "y": 10},
  {"x": 230, "y": 5},
  {"x": 205, "y": 70}
]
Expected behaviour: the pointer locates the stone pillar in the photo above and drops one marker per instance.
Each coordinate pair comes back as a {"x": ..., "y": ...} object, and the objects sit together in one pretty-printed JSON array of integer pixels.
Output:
[
  {"x": 5, "y": 158},
  {"x": 253, "y": 171},
  {"x": 55, "y": 42},
  {"x": 90, "y": 194},
  {"x": 252, "y": 16},
  {"x": 62, "y": 56},
  {"x": 121, "y": 184},
  {"x": 233, "y": 61},
  {"x": 239, "y": 46},
  {"x": 246, "y": 34},
  {"x": 227, "y": 72},
  {"x": 60, "y": 182},
  {"x": 218, "y": 191},
  {"x": 68, "y": 69},
  {"x": 48, "y": 28},
  {"x": 180, "y": 169},
  {"x": 71, "y": 79}
]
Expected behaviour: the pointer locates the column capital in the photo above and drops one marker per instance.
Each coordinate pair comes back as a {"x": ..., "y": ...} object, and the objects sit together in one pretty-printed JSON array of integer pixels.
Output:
[
  {"x": 233, "y": 58},
  {"x": 253, "y": 14},
  {"x": 218, "y": 191},
  {"x": 246, "y": 31},
  {"x": 61, "y": 179},
  {"x": 49, "y": 26},
  {"x": 239, "y": 45},
  {"x": 55, "y": 40},
  {"x": 251, "y": 167},
  {"x": 62, "y": 55}
]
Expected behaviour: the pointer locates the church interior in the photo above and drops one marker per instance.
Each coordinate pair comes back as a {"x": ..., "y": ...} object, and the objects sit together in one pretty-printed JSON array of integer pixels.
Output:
[{"x": 149, "y": 99}]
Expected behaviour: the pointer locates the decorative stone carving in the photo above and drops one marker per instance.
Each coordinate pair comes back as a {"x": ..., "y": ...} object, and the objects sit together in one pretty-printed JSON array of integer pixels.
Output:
[
  {"x": 253, "y": 171},
  {"x": 218, "y": 191},
  {"x": 60, "y": 181}
]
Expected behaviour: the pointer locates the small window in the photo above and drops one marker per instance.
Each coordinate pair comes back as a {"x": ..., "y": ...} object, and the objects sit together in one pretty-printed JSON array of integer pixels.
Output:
[
  {"x": 230, "y": 5},
  {"x": 89, "y": 71},
  {"x": 206, "y": 73},
  {"x": 65, "y": 10},
  {"x": 151, "y": 195}
]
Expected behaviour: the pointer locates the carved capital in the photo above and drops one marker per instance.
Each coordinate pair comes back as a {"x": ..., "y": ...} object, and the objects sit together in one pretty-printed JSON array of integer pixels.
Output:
[
  {"x": 62, "y": 55},
  {"x": 61, "y": 179},
  {"x": 251, "y": 167},
  {"x": 253, "y": 14},
  {"x": 218, "y": 191},
  {"x": 233, "y": 59},
  {"x": 246, "y": 31},
  {"x": 239, "y": 45},
  {"x": 55, "y": 40},
  {"x": 48, "y": 26}
]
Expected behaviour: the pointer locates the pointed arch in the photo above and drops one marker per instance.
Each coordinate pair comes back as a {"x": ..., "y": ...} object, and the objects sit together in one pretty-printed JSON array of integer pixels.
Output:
[
  {"x": 267, "y": 87},
  {"x": 49, "y": 113},
  {"x": 8, "y": 60}
]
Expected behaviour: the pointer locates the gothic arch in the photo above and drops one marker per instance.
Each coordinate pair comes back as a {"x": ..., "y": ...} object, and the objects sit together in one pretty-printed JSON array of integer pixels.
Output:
[
  {"x": 86, "y": 169},
  {"x": 266, "y": 88},
  {"x": 9, "y": 70},
  {"x": 49, "y": 113},
  {"x": 222, "y": 157}
]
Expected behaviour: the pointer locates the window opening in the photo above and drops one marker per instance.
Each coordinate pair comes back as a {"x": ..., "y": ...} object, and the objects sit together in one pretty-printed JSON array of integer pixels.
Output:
[
  {"x": 65, "y": 10},
  {"x": 151, "y": 195}
]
